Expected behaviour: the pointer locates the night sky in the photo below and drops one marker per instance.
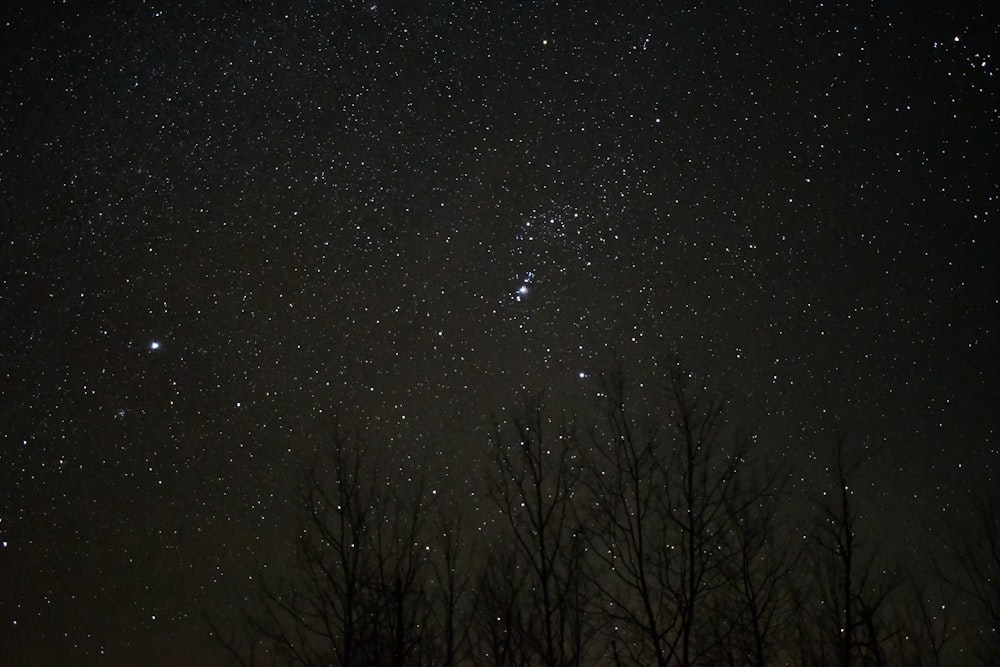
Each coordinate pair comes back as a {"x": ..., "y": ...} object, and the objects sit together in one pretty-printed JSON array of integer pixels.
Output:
[{"x": 222, "y": 225}]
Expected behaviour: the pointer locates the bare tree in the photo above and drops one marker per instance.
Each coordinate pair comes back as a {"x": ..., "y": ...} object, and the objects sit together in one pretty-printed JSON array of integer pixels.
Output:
[
  {"x": 926, "y": 624},
  {"x": 667, "y": 505},
  {"x": 628, "y": 482},
  {"x": 501, "y": 621},
  {"x": 849, "y": 626},
  {"x": 700, "y": 507},
  {"x": 356, "y": 593},
  {"x": 451, "y": 596},
  {"x": 756, "y": 604},
  {"x": 535, "y": 475},
  {"x": 971, "y": 569},
  {"x": 659, "y": 544}
]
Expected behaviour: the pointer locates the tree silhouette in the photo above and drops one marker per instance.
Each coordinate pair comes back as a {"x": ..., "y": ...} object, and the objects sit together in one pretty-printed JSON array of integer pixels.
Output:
[
  {"x": 672, "y": 520},
  {"x": 536, "y": 474},
  {"x": 927, "y": 626},
  {"x": 451, "y": 596},
  {"x": 627, "y": 479},
  {"x": 502, "y": 616},
  {"x": 356, "y": 592},
  {"x": 656, "y": 539},
  {"x": 971, "y": 570},
  {"x": 843, "y": 600},
  {"x": 755, "y": 607},
  {"x": 702, "y": 509}
]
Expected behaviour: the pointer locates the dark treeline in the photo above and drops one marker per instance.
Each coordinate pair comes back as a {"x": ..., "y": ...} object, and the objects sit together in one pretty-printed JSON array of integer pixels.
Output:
[{"x": 634, "y": 537}]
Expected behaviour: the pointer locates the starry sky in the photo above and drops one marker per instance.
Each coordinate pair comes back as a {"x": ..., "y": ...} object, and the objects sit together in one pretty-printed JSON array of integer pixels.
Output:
[{"x": 223, "y": 223}]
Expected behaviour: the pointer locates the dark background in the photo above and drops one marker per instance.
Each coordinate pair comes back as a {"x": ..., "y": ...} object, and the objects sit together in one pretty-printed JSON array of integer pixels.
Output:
[{"x": 221, "y": 224}]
